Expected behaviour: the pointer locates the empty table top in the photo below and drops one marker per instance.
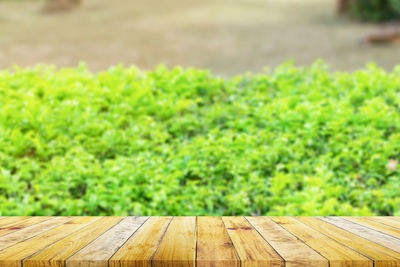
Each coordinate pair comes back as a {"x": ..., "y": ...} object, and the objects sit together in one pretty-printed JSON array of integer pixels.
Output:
[{"x": 199, "y": 241}]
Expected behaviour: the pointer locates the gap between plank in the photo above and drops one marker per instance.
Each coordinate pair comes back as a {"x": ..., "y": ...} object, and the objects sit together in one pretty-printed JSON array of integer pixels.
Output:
[
  {"x": 373, "y": 260},
  {"x": 65, "y": 261},
  {"x": 22, "y": 261},
  {"x": 377, "y": 230},
  {"x": 284, "y": 261},
  {"x": 108, "y": 261},
  {"x": 237, "y": 253},
  {"x": 162, "y": 237}
]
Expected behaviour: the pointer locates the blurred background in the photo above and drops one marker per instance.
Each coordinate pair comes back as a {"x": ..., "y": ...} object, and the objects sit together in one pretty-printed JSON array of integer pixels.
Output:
[{"x": 226, "y": 36}]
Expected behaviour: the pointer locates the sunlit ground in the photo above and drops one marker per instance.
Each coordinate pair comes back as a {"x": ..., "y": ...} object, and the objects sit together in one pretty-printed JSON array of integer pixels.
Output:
[{"x": 226, "y": 36}]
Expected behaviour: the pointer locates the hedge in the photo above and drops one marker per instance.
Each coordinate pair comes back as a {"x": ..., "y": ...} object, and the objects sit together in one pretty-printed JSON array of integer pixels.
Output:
[
  {"x": 293, "y": 141},
  {"x": 375, "y": 10}
]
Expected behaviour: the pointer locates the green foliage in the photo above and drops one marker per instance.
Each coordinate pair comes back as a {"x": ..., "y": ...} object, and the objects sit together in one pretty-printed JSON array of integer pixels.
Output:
[
  {"x": 375, "y": 10},
  {"x": 298, "y": 141}
]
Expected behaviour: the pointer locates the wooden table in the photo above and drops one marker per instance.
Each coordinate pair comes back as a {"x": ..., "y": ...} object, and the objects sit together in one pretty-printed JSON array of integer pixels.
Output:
[{"x": 199, "y": 241}]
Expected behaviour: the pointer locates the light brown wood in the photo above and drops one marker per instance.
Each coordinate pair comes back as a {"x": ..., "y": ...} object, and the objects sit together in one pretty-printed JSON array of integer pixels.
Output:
[
  {"x": 97, "y": 253},
  {"x": 337, "y": 254},
  {"x": 392, "y": 231},
  {"x": 250, "y": 245},
  {"x": 31, "y": 231},
  {"x": 382, "y": 256},
  {"x": 178, "y": 247},
  {"x": 293, "y": 251},
  {"x": 391, "y": 221},
  {"x": 12, "y": 256},
  {"x": 10, "y": 220},
  {"x": 365, "y": 232},
  {"x": 56, "y": 254},
  {"x": 140, "y": 248},
  {"x": 199, "y": 241},
  {"x": 214, "y": 246},
  {"x": 12, "y": 227}
]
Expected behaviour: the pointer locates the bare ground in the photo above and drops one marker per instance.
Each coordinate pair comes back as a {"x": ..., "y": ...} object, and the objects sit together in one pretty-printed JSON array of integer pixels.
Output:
[{"x": 226, "y": 36}]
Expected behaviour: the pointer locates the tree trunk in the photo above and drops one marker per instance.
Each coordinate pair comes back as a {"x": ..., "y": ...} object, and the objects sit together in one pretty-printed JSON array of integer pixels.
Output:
[
  {"x": 54, "y": 6},
  {"x": 343, "y": 6}
]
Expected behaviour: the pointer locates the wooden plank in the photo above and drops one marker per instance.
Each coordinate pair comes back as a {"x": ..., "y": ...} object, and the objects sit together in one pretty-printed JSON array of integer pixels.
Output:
[
  {"x": 386, "y": 220},
  {"x": 178, "y": 247},
  {"x": 381, "y": 255},
  {"x": 337, "y": 254},
  {"x": 31, "y": 231},
  {"x": 13, "y": 219},
  {"x": 365, "y": 232},
  {"x": 140, "y": 248},
  {"x": 293, "y": 251},
  {"x": 13, "y": 255},
  {"x": 214, "y": 247},
  {"x": 392, "y": 231},
  {"x": 199, "y": 241},
  {"x": 9, "y": 228},
  {"x": 251, "y": 247},
  {"x": 56, "y": 254},
  {"x": 97, "y": 253}
]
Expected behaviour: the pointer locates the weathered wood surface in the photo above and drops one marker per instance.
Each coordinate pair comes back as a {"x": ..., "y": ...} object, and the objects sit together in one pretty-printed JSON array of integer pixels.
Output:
[{"x": 199, "y": 241}]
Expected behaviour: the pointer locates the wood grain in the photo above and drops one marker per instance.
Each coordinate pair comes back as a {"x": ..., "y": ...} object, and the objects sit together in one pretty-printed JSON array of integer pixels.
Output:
[
  {"x": 12, "y": 227},
  {"x": 31, "y": 231},
  {"x": 294, "y": 252},
  {"x": 251, "y": 247},
  {"x": 337, "y": 254},
  {"x": 10, "y": 220},
  {"x": 199, "y": 241},
  {"x": 103, "y": 248},
  {"x": 214, "y": 246},
  {"x": 365, "y": 232},
  {"x": 392, "y": 231},
  {"x": 140, "y": 248},
  {"x": 178, "y": 247},
  {"x": 382, "y": 256},
  {"x": 56, "y": 254},
  {"x": 12, "y": 256},
  {"x": 391, "y": 221}
]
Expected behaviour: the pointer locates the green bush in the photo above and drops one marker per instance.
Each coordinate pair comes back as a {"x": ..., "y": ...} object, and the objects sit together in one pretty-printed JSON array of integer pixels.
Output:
[
  {"x": 375, "y": 10},
  {"x": 298, "y": 141}
]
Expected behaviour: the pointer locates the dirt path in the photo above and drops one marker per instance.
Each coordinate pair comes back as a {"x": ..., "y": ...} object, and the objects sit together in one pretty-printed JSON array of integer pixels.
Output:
[{"x": 227, "y": 36}]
